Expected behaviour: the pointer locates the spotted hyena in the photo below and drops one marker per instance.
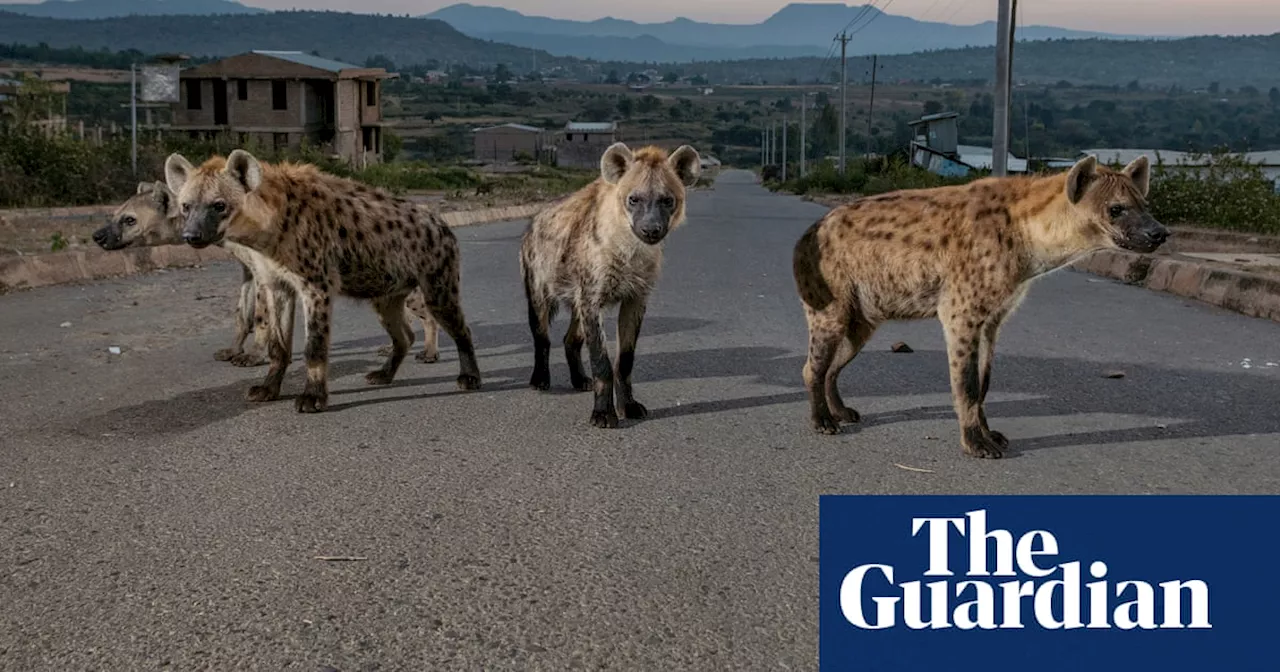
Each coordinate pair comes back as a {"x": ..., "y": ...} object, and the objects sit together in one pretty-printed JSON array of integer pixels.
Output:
[
  {"x": 964, "y": 254},
  {"x": 599, "y": 247},
  {"x": 150, "y": 218},
  {"x": 319, "y": 236}
]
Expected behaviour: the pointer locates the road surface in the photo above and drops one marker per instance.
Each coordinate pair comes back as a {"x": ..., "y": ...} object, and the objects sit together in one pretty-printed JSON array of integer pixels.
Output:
[{"x": 150, "y": 518}]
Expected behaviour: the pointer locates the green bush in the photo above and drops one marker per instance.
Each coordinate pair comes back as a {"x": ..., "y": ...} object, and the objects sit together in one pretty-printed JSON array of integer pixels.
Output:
[{"x": 1229, "y": 194}]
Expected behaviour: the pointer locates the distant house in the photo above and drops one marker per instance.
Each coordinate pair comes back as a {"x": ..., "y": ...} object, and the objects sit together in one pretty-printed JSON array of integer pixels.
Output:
[
  {"x": 936, "y": 148},
  {"x": 504, "y": 142},
  {"x": 282, "y": 98},
  {"x": 584, "y": 143}
]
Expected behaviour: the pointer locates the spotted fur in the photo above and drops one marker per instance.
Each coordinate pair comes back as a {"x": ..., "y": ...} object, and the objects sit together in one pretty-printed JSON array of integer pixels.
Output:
[{"x": 964, "y": 254}]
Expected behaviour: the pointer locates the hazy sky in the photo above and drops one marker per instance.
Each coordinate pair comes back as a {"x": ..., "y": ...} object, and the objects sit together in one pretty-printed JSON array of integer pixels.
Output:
[{"x": 1148, "y": 17}]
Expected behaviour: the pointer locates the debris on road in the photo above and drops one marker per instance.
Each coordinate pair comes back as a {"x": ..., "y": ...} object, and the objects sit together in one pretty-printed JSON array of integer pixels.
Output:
[
  {"x": 115, "y": 349},
  {"x": 903, "y": 466},
  {"x": 340, "y": 558},
  {"x": 1113, "y": 374},
  {"x": 901, "y": 347},
  {"x": 64, "y": 325}
]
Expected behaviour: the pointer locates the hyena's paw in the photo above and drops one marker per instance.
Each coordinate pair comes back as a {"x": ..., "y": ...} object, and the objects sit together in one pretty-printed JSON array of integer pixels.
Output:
[
  {"x": 980, "y": 444},
  {"x": 579, "y": 382},
  {"x": 248, "y": 359},
  {"x": 824, "y": 423},
  {"x": 467, "y": 381},
  {"x": 310, "y": 402},
  {"x": 999, "y": 438},
  {"x": 634, "y": 410},
  {"x": 263, "y": 393},
  {"x": 845, "y": 414},
  {"x": 225, "y": 354},
  {"x": 379, "y": 377},
  {"x": 427, "y": 357},
  {"x": 605, "y": 419},
  {"x": 541, "y": 379}
]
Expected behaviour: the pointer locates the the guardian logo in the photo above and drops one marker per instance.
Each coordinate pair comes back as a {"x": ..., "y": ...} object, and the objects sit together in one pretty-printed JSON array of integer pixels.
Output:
[{"x": 1012, "y": 583}]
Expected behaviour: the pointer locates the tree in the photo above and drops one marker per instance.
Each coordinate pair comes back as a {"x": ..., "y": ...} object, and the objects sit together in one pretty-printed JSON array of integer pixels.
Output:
[
  {"x": 432, "y": 117},
  {"x": 648, "y": 104},
  {"x": 626, "y": 107},
  {"x": 932, "y": 107},
  {"x": 1274, "y": 95},
  {"x": 502, "y": 73},
  {"x": 671, "y": 77},
  {"x": 1214, "y": 88},
  {"x": 380, "y": 61},
  {"x": 612, "y": 78}
]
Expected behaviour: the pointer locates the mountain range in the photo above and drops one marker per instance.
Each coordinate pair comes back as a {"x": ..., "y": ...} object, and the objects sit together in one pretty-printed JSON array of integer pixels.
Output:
[
  {"x": 102, "y": 9},
  {"x": 799, "y": 29}
]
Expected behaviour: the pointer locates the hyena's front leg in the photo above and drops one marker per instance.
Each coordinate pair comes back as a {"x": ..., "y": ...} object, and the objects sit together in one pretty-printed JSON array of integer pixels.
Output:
[
  {"x": 318, "y": 309},
  {"x": 573, "y": 340},
  {"x": 261, "y": 329},
  {"x": 604, "y": 414},
  {"x": 280, "y": 301},
  {"x": 986, "y": 354},
  {"x": 964, "y": 354},
  {"x": 416, "y": 305},
  {"x": 630, "y": 317},
  {"x": 245, "y": 304},
  {"x": 826, "y": 330}
]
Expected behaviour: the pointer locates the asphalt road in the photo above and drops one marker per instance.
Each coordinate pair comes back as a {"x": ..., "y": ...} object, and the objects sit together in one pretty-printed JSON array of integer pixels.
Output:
[{"x": 150, "y": 518}]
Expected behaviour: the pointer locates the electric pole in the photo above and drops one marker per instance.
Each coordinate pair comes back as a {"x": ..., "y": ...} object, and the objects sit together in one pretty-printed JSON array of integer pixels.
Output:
[
  {"x": 784, "y": 148},
  {"x": 1004, "y": 78},
  {"x": 844, "y": 98},
  {"x": 804, "y": 102},
  {"x": 872, "y": 104},
  {"x": 764, "y": 145},
  {"x": 773, "y": 142}
]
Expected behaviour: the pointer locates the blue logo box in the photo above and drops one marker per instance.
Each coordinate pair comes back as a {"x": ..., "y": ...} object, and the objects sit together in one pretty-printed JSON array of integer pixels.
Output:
[{"x": 1049, "y": 583}]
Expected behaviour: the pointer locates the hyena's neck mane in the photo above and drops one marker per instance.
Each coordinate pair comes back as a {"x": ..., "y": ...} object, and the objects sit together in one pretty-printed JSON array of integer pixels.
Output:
[
  {"x": 263, "y": 216},
  {"x": 1053, "y": 231}
]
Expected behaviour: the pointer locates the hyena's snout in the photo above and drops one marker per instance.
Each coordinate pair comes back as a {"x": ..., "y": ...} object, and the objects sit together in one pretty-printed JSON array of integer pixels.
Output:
[{"x": 200, "y": 228}]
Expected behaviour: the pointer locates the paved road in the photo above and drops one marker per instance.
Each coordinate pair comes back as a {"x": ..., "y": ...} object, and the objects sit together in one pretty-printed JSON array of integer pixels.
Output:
[{"x": 151, "y": 519}]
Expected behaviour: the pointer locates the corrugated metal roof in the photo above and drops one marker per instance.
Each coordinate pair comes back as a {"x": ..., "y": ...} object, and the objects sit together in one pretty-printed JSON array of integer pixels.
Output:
[
  {"x": 519, "y": 127},
  {"x": 984, "y": 158},
  {"x": 309, "y": 60},
  {"x": 591, "y": 127}
]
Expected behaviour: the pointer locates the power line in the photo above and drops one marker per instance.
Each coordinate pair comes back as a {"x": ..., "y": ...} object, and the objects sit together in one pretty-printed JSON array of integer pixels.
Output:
[{"x": 873, "y": 18}]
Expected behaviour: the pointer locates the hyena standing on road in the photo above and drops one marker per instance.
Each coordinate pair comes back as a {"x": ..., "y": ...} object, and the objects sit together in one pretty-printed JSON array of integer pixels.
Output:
[
  {"x": 150, "y": 218},
  {"x": 319, "y": 235},
  {"x": 602, "y": 246},
  {"x": 964, "y": 254}
]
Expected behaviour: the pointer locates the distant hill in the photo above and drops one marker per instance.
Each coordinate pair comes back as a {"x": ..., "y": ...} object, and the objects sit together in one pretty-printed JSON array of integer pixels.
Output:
[
  {"x": 795, "y": 30},
  {"x": 346, "y": 37},
  {"x": 101, "y": 9}
]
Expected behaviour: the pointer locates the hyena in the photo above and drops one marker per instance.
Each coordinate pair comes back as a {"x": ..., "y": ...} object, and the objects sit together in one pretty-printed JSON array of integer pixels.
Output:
[
  {"x": 964, "y": 254},
  {"x": 319, "y": 235},
  {"x": 599, "y": 247},
  {"x": 150, "y": 218}
]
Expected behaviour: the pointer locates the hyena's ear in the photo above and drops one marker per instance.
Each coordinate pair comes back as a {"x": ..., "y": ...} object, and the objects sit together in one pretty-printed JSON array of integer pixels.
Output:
[
  {"x": 615, "y": 162},
  {"x": 1139, "y": 170},
  {"x": 146, "y": 187},
  {"x": 687, "y": 164},
  {"x": 176, "y": 171},
  {"x": 1080, "y": 176},
  {"x": 165, "y": 199},
  {"x": 245, "y": 169}
]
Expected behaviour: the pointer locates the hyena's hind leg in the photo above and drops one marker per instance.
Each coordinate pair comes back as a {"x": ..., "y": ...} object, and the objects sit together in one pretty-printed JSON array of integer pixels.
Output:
[
  {"x": 827, "y": 328},
  {"x": 256, "y": 354},
  {"x": 391, "y": 313},
  {"x": 859, "y": 333},
  {"x": 247, "y": 305},
  {"x": 542, "y": 309},
  {"x": 280, "y": 301},
  {"x": 573, "y": 342},
  {"x": 444, "y": 300},
  {"x": 417, "y": 307}
]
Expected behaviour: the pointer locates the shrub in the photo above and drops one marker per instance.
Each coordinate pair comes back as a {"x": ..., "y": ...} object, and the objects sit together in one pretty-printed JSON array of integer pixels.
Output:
[{"x": 1228, "y": 193}]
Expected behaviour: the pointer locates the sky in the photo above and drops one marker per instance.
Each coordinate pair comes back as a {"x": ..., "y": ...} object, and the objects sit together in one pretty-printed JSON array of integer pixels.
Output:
[{"x": 1142, "y": 17}]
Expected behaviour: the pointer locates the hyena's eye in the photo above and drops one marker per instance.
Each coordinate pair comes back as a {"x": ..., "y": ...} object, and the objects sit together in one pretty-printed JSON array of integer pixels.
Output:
[
  {"x": 633, "y": 200},
  {"x": 668, "y": 202},
  {"x": 1117, "y": 210},
  {"x": 128, "y": 221},
  {"x": 186, "y": 208},
  {"x": 219, "y": 206}
]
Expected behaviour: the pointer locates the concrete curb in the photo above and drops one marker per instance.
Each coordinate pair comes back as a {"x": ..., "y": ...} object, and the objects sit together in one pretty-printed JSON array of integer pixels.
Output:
[
  {"x": 1246, "y": 293},
  {"x": 81, "y": 265}
]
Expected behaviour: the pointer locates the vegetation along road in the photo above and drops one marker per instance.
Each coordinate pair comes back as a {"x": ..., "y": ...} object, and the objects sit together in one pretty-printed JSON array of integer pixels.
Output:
[{"x": 151, "y": 517}]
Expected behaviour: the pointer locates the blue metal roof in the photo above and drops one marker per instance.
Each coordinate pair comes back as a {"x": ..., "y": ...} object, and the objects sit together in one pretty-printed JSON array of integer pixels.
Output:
[{"x": 309, "y": 60}]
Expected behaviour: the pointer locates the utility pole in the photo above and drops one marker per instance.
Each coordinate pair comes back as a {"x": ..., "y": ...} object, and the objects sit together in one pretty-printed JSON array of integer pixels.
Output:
[
  {"x": 804, "y": 102},
  {"x": 844, "y": 98},
  {"x": 872, "y": 104},
  {"x": 773, "y": 142},
  {"x": 764, "y": 146},
  {"x": 133, "y": 114},
  {"x": 784, "y": 148},
  {"x": 1004, "y": 78}
]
